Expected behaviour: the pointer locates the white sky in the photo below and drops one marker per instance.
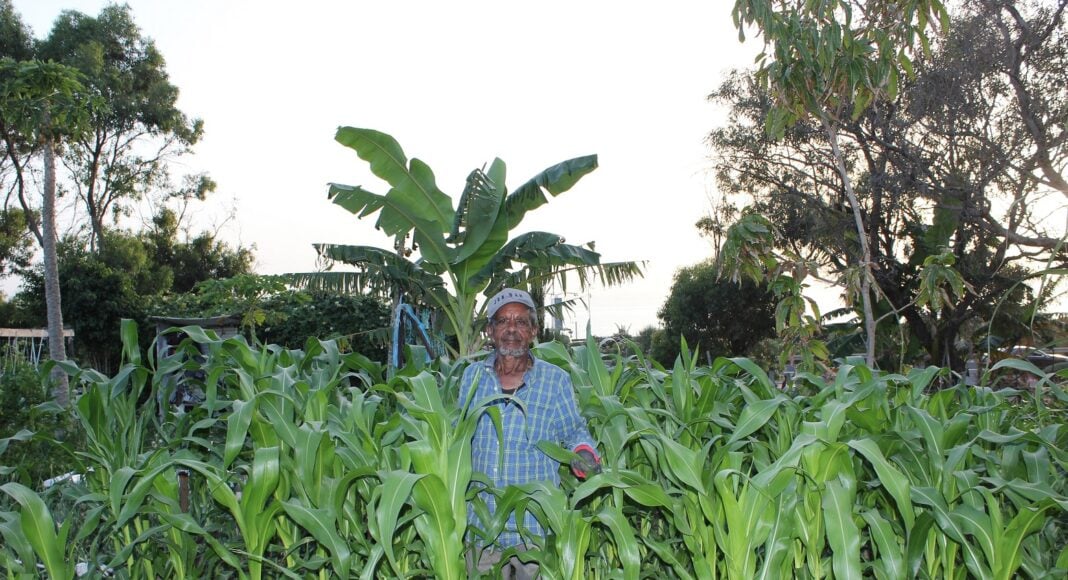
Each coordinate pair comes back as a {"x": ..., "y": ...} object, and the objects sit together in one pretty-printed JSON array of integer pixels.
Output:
[{"x": 457, "y": 84}]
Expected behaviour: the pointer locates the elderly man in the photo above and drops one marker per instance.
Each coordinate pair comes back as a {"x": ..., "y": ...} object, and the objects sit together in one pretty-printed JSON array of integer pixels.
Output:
[{"x": 537, "y": 403}]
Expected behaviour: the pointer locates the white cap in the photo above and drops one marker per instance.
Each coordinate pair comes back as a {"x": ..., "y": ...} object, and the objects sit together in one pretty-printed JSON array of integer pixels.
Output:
[{"x": 508, "y": 296}]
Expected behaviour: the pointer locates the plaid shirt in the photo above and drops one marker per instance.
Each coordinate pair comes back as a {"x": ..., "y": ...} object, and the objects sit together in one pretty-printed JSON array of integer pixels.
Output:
[{"x": 551, "y": 415}]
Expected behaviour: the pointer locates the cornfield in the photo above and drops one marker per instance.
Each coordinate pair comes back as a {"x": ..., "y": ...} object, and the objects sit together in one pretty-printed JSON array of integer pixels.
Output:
[{"x": 313, "y": 464}]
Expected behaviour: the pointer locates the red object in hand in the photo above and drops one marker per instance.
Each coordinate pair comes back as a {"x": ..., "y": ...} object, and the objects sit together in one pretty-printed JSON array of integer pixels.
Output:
[{"x": 588, "y": 463}]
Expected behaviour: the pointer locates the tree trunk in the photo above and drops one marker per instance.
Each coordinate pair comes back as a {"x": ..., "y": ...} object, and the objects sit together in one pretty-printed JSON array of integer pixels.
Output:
[
  {"x": 862, "y": 234},
  {"x": 57, "y": 349}
]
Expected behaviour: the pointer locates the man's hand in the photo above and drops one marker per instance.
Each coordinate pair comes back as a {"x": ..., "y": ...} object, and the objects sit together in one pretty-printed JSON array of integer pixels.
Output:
[{"x": 587, "y": 463}]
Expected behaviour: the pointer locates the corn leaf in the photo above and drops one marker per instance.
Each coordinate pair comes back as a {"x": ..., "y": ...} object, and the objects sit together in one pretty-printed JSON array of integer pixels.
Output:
[
  {"x": 842, "y": 532},
  {"x": 891, "y": 562},
  {"x": 437, "y": 527},
  {"x": 394, "y": 492},
  {"x": 1028, "y": 521},
  {"x": 187, "y": 524},
  {"x": 777, "y": 546},
  {"x": 683, "y": 463},
  {"x": 40, "y": 530},
  {"x": 895, "y": 482},
  {"x": 135, "y": 499},
  {"x": 753, "y": 417},
  {"x": 321, "y": 523},
  {"x": 11, "y": 532},
  {"x": 624, "y": 540},
  {"x": 932, "y": 498},
  {"x": 237, "y": 425}
]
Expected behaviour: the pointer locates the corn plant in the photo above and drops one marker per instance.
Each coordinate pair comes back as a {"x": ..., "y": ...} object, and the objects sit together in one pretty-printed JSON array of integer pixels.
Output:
[
  {"x": 311, "y": 463},
  {"x": 440, "y": 448},
  {"x": 35, "y": 536}
]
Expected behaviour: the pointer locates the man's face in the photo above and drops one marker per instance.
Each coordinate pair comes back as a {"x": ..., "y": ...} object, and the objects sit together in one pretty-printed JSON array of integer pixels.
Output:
[{"x": 511, "y": 331}]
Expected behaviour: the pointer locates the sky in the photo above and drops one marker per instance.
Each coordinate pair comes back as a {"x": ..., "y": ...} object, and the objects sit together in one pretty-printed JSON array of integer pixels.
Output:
[{"x": 457, "y": 84}]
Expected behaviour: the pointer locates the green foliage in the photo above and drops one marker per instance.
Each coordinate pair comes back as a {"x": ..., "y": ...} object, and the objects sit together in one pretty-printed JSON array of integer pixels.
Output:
[
  {"x": 356, "y": 322},
  {"x": 463, "y": 252},
  {"x": 127, "y": 278},
  {"x": 309, "y": 464},
  {"x": 138, "y": 128},
  {"x": 939, "y": 279},
  {"x": 23, "y": 394},
  {"x": 748, "y": 250},
  {"x": 16, "y": 40},
  {"x": 823, "y": 56},
  {"x": 751, "y": 254},
  {"x": 945, "y": 275},
  {"x": 719, "y": 316},
  {"x": 16, "y": 244},
  {"x": 243, "y": 295},
  {"x": 273, "y": 313},
  {"x": 96, "y": 297},
  {"x": 41, "y": 100},
  {"x": 200, "y": 257}
]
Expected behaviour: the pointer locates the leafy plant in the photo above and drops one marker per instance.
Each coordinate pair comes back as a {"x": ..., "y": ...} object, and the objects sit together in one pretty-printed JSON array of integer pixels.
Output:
[
  {"x": 23, "y": 410},
  {"x": 463, "y": 252},
  {"x": 310, "y": 463}
]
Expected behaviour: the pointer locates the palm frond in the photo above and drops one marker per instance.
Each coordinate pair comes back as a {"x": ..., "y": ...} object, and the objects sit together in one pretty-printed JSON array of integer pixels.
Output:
[
  {"x": 552, "y": 181},
  {"x": 382, "y": 269},
  {"x": 415, "y": 192},
  {"x": 525, "y": 248},
  {"x": 477, "y": 211},
  {"x": 608, "y": 274},
  {"x": 564, "y": 306},
  {"x": 339, "y": 282},
  {"x": 619, "y": 273}
]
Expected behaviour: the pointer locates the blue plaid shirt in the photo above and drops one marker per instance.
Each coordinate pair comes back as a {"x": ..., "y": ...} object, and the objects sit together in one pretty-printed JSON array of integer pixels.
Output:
[{"x": 551, "y": 414}]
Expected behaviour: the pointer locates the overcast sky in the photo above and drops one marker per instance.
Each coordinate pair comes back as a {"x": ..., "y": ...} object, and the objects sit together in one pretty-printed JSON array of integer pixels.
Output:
[{"x": 457, "y": 84}]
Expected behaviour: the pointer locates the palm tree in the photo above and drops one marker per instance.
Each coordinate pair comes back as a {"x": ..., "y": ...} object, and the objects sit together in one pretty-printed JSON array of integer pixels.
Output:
[
  {"x": 459, "y": 254},
  {"x": 41, "y": 105}
]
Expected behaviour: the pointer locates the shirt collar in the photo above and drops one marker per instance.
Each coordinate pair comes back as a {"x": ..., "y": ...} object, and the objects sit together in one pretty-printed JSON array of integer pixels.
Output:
[{"x": 489, "y": 360}]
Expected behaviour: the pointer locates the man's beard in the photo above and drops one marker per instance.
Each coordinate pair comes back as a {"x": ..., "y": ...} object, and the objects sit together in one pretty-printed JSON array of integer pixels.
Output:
[{"x": 513, "y": 351}]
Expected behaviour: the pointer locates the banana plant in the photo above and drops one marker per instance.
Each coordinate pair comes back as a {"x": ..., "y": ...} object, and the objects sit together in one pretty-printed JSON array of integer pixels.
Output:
[{"x": 462, "y": 252}]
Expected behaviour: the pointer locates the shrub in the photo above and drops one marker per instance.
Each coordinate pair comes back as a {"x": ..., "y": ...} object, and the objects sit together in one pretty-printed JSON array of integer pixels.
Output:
[
  {"x": 24, "y": 394},
  {"x": 351, "y": 320},
  {"x": 720, "y": 316}
]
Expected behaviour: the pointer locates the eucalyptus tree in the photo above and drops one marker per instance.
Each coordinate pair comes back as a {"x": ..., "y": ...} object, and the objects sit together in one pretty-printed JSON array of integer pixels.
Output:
[
  {"x": 16, "y": 40},
  {"x": 1031, "y": 40},
  {"x": 947, "y": 177},
  {"x": 831, "y": 60},
  {"x": 139, "y": 129},
  {"x": 446, "y": 257}
]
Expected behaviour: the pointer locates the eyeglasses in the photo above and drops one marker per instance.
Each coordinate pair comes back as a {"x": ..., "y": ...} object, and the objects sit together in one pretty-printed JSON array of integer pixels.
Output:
[{"x": 519, "y": 322}]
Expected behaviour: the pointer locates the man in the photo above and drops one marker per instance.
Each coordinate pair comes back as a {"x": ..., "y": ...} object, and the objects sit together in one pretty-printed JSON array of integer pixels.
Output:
[{"x": 537, "y": 403}]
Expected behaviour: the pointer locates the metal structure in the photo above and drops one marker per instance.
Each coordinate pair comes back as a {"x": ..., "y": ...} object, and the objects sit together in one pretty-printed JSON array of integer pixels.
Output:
[
  {"x": 28, "y": 344},
  {"x": 407, "y": 328}
]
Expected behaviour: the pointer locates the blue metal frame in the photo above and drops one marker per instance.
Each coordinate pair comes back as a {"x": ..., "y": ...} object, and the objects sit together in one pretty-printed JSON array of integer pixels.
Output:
[{"x": 401, "y": 314}]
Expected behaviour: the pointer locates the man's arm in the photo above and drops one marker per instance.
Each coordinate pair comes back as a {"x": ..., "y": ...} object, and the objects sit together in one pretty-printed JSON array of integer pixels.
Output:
[{"x": 576, "y": 434}]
